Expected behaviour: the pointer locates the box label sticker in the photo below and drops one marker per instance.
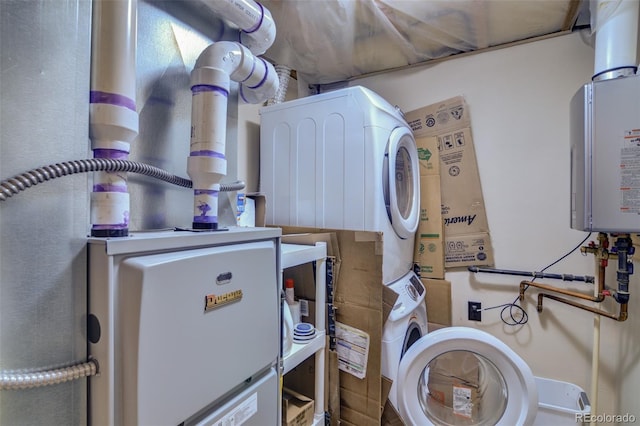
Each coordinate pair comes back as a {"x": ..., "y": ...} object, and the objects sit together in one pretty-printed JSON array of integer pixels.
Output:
[
  {"x": 241, "y": 413},
  {"x": 304, "y": 307},
  {"x": 353, "y": 350},
  {"x": 462, "y": 404}
]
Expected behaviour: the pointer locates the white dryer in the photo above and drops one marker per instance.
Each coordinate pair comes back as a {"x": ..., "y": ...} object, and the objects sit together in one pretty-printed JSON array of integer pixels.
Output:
[{"x": 343, "y": 160}]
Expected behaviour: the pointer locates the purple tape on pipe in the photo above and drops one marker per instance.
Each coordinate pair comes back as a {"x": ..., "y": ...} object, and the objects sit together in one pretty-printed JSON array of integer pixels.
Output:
[
  {"x": 114, "y": 154},
  {"x": 253, "y": 68},
  {"x": 205, "y": 219},
  {"x": 213, "y": 192},
  {"x": 108, "y": 187},
  {"x": 207, "y": 153},
  {"x": 264, "y": 78},
  {"x": 200, "y": 88},
  {"x": 105, "y": 227},
  {"x": 259, "y": 24},
  {"x": 98, "y": 97}
]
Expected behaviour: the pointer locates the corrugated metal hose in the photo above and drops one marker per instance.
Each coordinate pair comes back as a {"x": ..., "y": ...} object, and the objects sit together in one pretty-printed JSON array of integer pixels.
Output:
[
  {"x": 23, "y": 181},
  {"x": 25, "y": 380}
]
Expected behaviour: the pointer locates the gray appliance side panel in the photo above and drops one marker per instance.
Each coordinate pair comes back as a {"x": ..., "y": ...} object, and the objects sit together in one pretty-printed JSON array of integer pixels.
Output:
[
  {"x": 580, "y": 133},
  {"x": 616, "y": 155},
  {"x": 44, "y": 82},
  {"x": 44, "y": 85}
]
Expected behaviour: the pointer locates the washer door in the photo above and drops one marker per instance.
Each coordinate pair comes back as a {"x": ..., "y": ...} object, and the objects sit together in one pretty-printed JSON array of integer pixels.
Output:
[
  {"x": 401, "y": 182},
  {"x": 464, "y": 376}
]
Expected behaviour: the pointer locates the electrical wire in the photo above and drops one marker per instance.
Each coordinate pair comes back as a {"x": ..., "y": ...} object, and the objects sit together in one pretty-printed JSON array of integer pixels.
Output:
[
  {"x": 517, "y": 314},
  {"x": 23, "y": 181}
]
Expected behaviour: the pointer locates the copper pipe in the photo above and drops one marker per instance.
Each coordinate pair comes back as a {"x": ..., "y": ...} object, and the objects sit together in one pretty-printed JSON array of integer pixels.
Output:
[
  {"x": 599, "y": 298},
  {"x": 622, "y": 316},
  {"x": 602, "y": 254}
]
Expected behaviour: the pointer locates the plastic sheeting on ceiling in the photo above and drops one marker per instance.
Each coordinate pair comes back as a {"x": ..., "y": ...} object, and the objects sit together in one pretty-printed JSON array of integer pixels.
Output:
[{"x": 334, "y": 40}]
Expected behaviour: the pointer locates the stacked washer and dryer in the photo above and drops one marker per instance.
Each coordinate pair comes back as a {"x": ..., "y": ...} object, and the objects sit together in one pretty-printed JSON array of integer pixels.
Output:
[{"x": 347, "y": 160}]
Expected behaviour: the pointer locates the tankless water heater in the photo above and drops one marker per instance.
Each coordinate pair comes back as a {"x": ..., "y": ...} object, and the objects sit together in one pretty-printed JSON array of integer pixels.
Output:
[{"x": 605, "y": 156}]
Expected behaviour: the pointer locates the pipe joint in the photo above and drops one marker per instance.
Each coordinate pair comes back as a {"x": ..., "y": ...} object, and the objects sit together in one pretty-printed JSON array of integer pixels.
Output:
[
  {"x": 258, "y": 29},
  {"x": 226, "y": 56}
]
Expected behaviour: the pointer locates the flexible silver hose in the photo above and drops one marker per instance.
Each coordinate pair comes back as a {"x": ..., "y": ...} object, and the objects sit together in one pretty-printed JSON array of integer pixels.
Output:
[
  {"x": 14, "y": 380},
  {"x": 234, "y": 186},
  {"x": 23, "y": 181}
]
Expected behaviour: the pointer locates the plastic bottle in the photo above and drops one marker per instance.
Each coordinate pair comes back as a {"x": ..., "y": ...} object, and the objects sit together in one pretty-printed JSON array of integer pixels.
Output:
[{"x": 288, "y": 291}]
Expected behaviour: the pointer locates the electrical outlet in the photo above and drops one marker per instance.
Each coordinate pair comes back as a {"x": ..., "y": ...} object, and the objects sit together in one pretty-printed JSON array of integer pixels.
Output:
[{"x": 475, "y": 311}]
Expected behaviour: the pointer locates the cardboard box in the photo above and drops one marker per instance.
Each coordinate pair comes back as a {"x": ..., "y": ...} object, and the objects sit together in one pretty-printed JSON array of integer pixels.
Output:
[
  {"x": 463, "y": 210},
  {"x": 297, "y": 409},
  {"x": 428, "y": 155},
  {"x": 429, "y": 242},
  {"x": 301, "y": 379},
  {"x": 454, "y": 379},
  {"x": 438, "y": 301},
  {"x": 466, "y": 250}
]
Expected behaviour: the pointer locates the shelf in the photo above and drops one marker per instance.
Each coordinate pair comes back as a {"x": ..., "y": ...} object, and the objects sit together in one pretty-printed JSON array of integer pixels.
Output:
[
  {"x": 301, "y": 352},
  {"x": 298, "y": 254}
]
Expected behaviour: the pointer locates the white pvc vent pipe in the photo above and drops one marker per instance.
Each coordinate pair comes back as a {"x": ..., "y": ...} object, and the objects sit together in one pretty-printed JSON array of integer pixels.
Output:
[
  {"x": 258, "y": 30},
  {"x": 113, "y": 119},
  {"x": 615, "y": 23},
  {"x": 216, "y": 66}
]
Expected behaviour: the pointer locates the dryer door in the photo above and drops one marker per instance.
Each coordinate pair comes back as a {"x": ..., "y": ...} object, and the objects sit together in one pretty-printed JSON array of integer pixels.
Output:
[
  {"x": 464, "y": 376},
  {"x": 401, "y": 182}
]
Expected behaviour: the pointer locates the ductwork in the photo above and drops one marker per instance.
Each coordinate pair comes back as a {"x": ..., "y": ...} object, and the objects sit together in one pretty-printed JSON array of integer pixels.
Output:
[
  {"x": 216, "y": 67},
  {"x": 258, "y": 30},
  {"x": 615, "y": 23}
]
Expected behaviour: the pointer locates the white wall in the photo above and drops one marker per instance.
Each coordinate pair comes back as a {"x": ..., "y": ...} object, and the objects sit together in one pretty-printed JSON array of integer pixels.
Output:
[{"x": 519, "y": 103}]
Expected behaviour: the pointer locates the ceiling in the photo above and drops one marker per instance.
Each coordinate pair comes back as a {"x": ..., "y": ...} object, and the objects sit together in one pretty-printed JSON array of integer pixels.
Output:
[{"x": 334, "y": 40}]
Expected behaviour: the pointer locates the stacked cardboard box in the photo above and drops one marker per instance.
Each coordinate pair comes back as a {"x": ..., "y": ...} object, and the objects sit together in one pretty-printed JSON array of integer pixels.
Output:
[
  {"x": 429, "y": 245},
  {"x": 466, "y": 229}
]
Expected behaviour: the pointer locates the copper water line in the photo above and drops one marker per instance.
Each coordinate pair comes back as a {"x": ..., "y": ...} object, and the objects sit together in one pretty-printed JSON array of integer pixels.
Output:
[
  {"x": 599, "y": 298},
  {"x": 622, "y": 316},
  {"x": 602, "y": 253}
]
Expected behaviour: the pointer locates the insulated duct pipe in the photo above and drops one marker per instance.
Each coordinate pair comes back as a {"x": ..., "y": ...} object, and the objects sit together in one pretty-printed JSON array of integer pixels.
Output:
[
  {"x": 616, "y": 27},
  {"x": 216, "y": 66},
  {"x": 257, "y": 28},
  {"x": 113, "y": 120},
  {"x": 284, "y": 75}
]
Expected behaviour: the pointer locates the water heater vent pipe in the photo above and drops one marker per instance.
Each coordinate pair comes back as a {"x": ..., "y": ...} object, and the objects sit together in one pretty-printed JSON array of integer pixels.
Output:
[
  {"x": 216, "y": 67},
  {"x": 615, "y": 23}
]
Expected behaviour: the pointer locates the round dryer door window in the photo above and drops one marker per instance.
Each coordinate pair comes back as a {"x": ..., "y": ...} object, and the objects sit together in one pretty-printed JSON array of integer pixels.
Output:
[
  {"x": 464, "y": 376},
  {"x": 401, "y": 182}
]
